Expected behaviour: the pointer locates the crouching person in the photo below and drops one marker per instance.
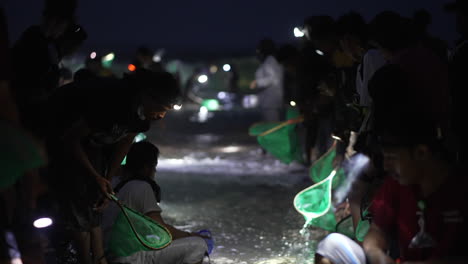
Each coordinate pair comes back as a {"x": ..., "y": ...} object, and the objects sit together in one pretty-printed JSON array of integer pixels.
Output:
[{"x": 139, "y": 191}]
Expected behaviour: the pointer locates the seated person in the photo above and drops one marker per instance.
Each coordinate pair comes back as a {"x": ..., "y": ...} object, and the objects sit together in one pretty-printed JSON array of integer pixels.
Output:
[
  {"x": 140, "y": 192},
  {"x": 419, "y": 206}
]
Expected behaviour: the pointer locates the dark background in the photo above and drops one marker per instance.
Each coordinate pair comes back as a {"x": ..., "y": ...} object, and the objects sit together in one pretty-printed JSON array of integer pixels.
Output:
[{"x": 211, "y": 26}]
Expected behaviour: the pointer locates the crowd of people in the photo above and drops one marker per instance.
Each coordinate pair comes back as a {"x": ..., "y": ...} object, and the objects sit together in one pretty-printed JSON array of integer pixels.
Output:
[
  {"x": 64, "y": 137},
  {"x": 386, "y": 89},
  {"x": 389, "y": 90}
]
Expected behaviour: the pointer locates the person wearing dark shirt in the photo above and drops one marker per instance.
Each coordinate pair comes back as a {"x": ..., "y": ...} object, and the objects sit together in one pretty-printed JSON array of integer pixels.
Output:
[
  {"x": 95, "y": 123},
  {"x": 458, "y": 65}
]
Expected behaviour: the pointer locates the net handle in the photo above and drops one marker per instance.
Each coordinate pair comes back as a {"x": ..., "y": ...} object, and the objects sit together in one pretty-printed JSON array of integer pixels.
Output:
[
  {"x": 285, "y": 123},
  {"x": 121, "y": 206}
]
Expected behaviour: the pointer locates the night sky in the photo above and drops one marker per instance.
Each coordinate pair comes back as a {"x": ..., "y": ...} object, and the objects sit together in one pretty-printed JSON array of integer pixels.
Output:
[{"x": 205, "y": 26}]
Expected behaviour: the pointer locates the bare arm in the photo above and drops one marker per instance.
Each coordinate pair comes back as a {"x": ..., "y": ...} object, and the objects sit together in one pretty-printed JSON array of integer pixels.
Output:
[
  {"x": 72, "y": 140},
  {"x": 375, "y": 246},
  {"x": 176, "y": 233}
]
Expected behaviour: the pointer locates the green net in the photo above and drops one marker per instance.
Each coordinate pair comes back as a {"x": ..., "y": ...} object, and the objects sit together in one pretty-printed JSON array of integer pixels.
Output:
[
  {"x": 133, "y": 232},
  {"x": 315, "y": 204},
  {"x": 18, "y": 154},
  {"x": 363, "y": 227},
  {"x": 280, "y": 139},
  {"x": 322, "y": 168},
  {"x": 345, "y": 227}
]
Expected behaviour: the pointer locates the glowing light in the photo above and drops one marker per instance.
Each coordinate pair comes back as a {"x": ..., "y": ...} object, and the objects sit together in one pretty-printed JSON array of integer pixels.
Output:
[
  {"x": 226, "y": 67},
  {"x": 43, "y": 222},
  {"x": 292, "y": 103},
  {"x": 231, "y": 149},
  {"x": 203, "y": 110},
  {"x": 319, "y": 52},
  {"x": 109, "y": 57},
  {"x": 211, "y": 104},
  {"x": 93, "y": 55},
  {"x": 298, "y": 33},
  {"x": 157, "y": 58},
  {"x": 337, "y": 138},
  {"x": 131, "y": 67},
  {"x": 202, "y": 78},
  {"x": 177, "y": 107},
  {"x": 214, "y": 69},
  {"x": 140, "y": 137},
  {"x": 222, "y": 95}
]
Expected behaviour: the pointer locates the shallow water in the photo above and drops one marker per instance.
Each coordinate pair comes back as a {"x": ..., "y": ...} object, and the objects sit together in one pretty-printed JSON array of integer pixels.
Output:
[{"x": 221, "y": 181}]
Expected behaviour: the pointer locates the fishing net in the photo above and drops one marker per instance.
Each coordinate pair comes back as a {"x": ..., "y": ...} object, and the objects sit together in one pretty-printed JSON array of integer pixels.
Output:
[
  {"x": 133, "y": 232},
  {"x": 280, "y": 139}
]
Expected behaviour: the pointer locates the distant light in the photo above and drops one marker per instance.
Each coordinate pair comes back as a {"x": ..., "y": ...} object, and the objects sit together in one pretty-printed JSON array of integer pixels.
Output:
[
  {"x": 226, "y": 67},
  {"x": 337, "y": 138},
  {"x": 319, "y": 52},
  {"x": 214, "y": 69},
  {"x": 202, "y": 78},
  {"x": 292, "y": 103},
  {"x": 203, "y": 110},
  {"x": 109, "y": 57},
  {"x": 131, "y": 67},
  {"x": 177, "y": 107},
  {"x": 77, "y": 29},
  {"x": 298, "y": 33},
  {"x": 93, "y": 55},
  {"x": 43, "y": 222},
  {"x": 222, "y": 95},
  {"x": 231, "y": 149},
  {"x": 211, "y": 104},
  {"x": 157, "y": 58}
]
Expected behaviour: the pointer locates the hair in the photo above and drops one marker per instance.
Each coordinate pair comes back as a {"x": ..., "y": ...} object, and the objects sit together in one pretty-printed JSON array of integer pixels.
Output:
[
  {"x": 396, "y": 115},
  {"x": 353, "y": 24},
  {"x": 142, "y": 154},
  {"x": 266, "y": 47},
  {"x": 162, "y": 87},
  {"x": 144, "y": 51},
  {"x": 320, "y": 27},
  {"x": 392, "y": 31}
]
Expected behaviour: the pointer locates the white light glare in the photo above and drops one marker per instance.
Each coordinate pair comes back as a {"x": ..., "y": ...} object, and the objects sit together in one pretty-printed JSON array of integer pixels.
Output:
[
  {"x": 43, "y": 222},
  {"x": 109, "y": 57},
  {"x": 222, "y": 95},
  {"x": 93, "y": 55},
  {"x": 226, "y": 67},
  {"x": 202, "y": 78},
  {"x": 157, "y": 58},
  {"x": 177, "y": 107},
  {"x": 298, "y": 33},
  {"x": 319, "y": 52},
  {"x": 231, "y": 149},
  {"x": 292, "y": 103},
  {"x": 337, "y": 138}
]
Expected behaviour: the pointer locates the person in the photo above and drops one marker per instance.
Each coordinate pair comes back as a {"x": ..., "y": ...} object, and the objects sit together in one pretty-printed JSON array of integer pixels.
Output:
[
  {"x": 144, "y": 60},
  {"x": 88, "y": 142},
  {"x": 457, "y": 72},
  {"x": 139, "y": 191},
  {"x": 418, "y": 206},
  {"x": 269, "y": 81},
  {"x": 34, "y": 61}
]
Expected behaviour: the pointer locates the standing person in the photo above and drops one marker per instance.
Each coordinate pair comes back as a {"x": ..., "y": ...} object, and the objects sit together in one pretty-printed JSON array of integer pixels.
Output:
[
  {"x": 93, "y": 139},
  {"x": 139, "y": 191},
  {"x": 269, "y": 80},
  {"x": 458, "y": 66}
]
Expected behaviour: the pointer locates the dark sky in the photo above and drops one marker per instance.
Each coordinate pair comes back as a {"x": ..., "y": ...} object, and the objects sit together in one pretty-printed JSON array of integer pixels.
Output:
[{"x": 210, "y": 25}]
